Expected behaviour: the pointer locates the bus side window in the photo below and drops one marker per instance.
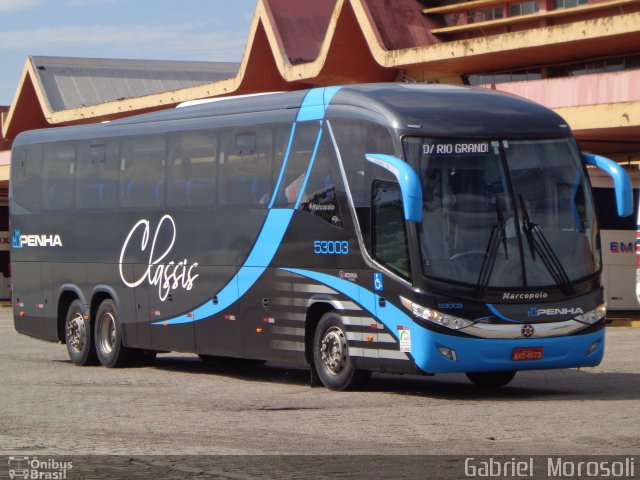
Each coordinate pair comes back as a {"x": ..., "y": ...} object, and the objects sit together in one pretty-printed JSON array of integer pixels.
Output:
[
  {"x": 96, "y": 177},
  {"x": 295, "y": 170},
  {"x": 142, "y": 172},
  {"x": 58, "y": 176},
  {"x": 245, "y": 167},
  {"x": 356, "y": 138},
  {"x": 320, "y": 197},
  {"x": 191, "y": 172},
  {"x": 26, "y": 171},
  {"x": 389, "y": 237}
]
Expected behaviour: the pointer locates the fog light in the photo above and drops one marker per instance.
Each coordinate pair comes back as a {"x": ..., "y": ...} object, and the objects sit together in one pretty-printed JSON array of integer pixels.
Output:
[
  {"x": 592, "y": 348},
  {"x": 449, "y": 353}
]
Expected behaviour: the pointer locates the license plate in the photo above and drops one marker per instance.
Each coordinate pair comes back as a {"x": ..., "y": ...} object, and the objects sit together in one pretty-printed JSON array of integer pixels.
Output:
[{"x": 532, "y": 353}]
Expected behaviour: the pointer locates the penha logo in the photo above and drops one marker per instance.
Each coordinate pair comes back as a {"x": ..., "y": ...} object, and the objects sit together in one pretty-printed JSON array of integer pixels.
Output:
[
  {"x": 166, "y": 275},
  {"x": 20, "y": 240},
  {"x": 536, "y": 312}
]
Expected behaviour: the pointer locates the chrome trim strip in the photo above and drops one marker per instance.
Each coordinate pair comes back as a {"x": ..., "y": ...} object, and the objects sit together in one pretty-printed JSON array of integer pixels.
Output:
[{"x": 542, "y": 330}]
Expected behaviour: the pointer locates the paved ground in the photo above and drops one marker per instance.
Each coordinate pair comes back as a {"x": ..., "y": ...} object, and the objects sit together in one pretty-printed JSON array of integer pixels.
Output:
[{"x": 181, "y": 406}]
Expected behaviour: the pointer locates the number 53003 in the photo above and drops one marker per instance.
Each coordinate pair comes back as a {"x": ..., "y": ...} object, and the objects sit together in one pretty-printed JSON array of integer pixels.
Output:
[{"x": 330, "y": 247}]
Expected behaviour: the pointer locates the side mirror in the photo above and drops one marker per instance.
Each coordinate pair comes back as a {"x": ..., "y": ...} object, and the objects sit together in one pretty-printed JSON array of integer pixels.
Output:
[
  {"x": 408, "y": 181},
  {"x": 621, "y": 182}
]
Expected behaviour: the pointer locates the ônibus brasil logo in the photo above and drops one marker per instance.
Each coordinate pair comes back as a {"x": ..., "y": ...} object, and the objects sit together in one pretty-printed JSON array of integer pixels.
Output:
[{"x": 21, "y": 240}]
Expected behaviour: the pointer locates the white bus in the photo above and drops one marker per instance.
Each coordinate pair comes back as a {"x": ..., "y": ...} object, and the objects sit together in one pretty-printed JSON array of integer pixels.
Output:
[{"x": 618, "y": 237}]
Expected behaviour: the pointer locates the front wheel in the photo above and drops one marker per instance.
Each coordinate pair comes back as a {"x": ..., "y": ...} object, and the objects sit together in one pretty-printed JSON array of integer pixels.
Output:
[
  {"x": 491, "y": 379},
  {"x": 108, "y": 337},
  {"x": 77, "y": 336},
  {"x": 335, "y": 367}
]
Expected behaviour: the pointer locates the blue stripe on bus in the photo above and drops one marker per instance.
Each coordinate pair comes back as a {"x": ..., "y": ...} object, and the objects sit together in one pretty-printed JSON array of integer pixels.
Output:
[
  {"x": 315, "y": 103},
  {"x": 495, "y": 311},
  {"x": 313, "y": 107},
  {"x": 261, "y": 255},
  {"x": 391, "y": 316}
]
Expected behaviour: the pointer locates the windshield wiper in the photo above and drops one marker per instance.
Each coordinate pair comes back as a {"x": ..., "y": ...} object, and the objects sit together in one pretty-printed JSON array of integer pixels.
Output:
[
  {"x": 498, "y": 233},
  {"x": 539, "y": 244}
]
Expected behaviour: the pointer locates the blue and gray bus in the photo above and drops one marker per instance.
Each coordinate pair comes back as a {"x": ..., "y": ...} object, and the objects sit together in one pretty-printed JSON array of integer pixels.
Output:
[{"x": 384, "y": 227}]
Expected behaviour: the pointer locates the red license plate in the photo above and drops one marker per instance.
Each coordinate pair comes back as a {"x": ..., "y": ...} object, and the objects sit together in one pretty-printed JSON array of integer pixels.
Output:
[{"x": 532, "y": 353}]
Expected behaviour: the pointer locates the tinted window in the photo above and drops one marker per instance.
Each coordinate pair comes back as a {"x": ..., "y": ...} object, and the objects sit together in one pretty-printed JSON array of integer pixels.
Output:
[
  {"x": 58, "y": 176},
  {"x": 608, "y": 218},
  {"x": 142, "y": 172},
  {"x": 97, "y": 176},
  {"x": 320, "y": 197},
  {"x": 191, "y": 172},
  {"x": 245, "y": 163},
  {"x": 354, "y": 139},
  {"x": 291, "y": 184},
  {"x": 25, "y": 182},
  {"x": 389, "y": 239}
]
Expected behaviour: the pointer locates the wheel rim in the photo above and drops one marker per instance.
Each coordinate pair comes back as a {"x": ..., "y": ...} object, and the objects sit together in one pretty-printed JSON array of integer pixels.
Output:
[
  {"x": 334, "y": 350},
  {"x": 77, "y": 333},
  {"x": 107, "y": 333}
]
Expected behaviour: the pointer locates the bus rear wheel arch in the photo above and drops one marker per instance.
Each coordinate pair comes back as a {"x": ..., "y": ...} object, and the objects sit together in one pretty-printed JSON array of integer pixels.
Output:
[
  {"x": 110, "y": 349},
  {"x": 335, "y": 368}
]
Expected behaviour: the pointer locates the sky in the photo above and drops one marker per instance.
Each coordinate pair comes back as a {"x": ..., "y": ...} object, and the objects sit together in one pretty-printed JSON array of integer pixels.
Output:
[{"x": 208, "y": 30}]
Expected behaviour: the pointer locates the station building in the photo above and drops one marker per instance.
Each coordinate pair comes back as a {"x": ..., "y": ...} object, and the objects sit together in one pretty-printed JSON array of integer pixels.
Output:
[{"x": 580, "y": 58}]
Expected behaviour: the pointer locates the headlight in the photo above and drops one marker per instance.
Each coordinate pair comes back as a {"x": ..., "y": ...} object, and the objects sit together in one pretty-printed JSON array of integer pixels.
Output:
[
  {"x": 592, "y": 316},
  {"x": 434, "y": 316}
]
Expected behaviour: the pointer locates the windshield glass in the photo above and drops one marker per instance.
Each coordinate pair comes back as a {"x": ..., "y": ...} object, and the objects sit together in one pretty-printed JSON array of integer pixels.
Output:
[{"x": 504, "y": 213}]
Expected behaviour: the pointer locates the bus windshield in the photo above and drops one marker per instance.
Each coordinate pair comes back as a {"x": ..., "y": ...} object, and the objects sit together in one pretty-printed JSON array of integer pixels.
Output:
[{"x": 500, "y": 213}]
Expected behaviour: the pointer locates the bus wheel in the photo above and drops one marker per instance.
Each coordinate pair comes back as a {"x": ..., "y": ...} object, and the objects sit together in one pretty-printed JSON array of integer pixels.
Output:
[
  {"x": 491, "y": 379},
  {"x": 77, "y": 335},
  {"x": 331, "y": 356},
  {"x": 108, "y": 336}
]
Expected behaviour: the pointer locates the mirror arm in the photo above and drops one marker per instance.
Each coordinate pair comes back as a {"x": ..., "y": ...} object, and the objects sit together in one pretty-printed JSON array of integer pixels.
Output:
[{"x": 621, "y": 182}]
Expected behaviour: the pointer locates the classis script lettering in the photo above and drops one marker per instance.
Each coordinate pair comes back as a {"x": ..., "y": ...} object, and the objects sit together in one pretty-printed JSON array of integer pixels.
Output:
[{"x": 167, "y": 276}]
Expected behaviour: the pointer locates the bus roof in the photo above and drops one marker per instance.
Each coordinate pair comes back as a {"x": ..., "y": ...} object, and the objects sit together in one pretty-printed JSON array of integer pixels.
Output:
[{"x": 421, "y": 109}]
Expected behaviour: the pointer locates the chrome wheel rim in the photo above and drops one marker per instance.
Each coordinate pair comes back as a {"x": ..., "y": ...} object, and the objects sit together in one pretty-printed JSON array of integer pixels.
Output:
[
  {"x": 334, "y": 350},
  {"x": 76, "y": 333},
  {"x": 107, "y": 333}
]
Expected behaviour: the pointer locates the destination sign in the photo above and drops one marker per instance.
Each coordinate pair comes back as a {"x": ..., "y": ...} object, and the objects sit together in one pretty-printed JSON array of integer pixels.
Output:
[{"x": 456, "y": 148}]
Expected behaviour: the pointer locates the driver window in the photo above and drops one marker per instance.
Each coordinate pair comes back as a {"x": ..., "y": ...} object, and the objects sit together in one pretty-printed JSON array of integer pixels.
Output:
[{"x": 389, "y": 237}]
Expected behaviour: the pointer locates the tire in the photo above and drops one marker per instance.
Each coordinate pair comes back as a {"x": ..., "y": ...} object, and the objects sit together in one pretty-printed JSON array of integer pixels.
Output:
[
  {"x": 491, "y": 379},
  {"x": 78, "y": 336},
  {"x": 331, "y": 359},
  {"x": 108, "y": 337}
]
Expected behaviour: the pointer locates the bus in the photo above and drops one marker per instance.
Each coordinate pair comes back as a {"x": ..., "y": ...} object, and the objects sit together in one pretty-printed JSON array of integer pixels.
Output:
[
  {"x": 363, "y": 228},
  {"x": 618, "y": 237}
]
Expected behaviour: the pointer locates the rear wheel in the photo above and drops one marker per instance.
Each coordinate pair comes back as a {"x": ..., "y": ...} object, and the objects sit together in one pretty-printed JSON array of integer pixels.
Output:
[
  {"x": 332, "y": 362},
  {"x": 108, "y": 337},
  {"x": 491, "y": 379},
  {"x": 78, "y": 336}
]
